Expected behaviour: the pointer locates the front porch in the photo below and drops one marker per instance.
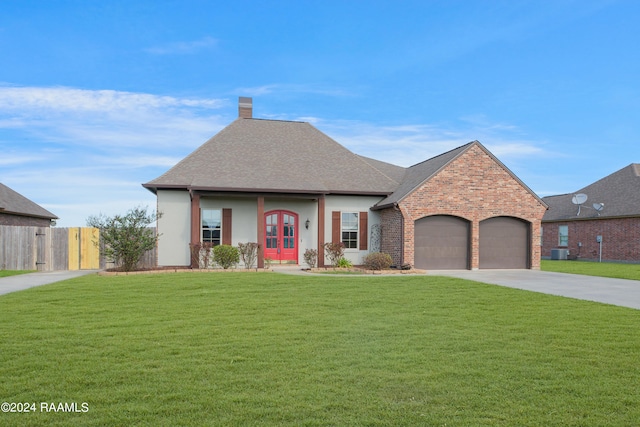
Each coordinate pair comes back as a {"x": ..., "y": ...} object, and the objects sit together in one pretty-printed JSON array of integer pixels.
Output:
[{"x": 284, "y": 225}]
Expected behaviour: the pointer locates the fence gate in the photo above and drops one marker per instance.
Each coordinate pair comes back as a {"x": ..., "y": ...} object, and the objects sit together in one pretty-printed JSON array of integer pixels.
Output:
[
  {"x": 84, "y": 252},
  {"x": 43, "y": 246}
]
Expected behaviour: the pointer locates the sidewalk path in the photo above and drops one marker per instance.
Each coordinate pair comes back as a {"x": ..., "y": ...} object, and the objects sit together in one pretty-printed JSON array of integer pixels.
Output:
[
  {"x": 29, "y": 280},
  {"x": 622, "y": 292}
]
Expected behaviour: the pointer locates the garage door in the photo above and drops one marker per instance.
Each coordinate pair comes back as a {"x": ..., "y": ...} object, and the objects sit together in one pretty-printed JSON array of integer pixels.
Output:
[
  {"x": 441, "y": 242},
  {"x": 504, "y": 243}
]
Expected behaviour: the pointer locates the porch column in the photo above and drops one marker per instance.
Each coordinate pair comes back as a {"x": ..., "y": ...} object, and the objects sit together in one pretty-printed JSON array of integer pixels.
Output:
[
  {"x": 321, "y": 231},
  {"x": 475, "y": 245},
  {"x": 261, "y": 231},
  {"x": 195, "y": 224}
]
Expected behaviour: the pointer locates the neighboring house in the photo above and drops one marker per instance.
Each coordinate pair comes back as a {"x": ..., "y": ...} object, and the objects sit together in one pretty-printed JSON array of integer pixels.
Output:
[
  {"x": 609, "y": 219},
  {"x": 289, "y": 187},
  {"x": 15, "y": 209}
]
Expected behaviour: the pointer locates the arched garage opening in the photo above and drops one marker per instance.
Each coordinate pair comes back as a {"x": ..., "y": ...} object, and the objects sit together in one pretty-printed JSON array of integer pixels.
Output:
[
  {"x": 441, "y": 242},
  {"x": 504, "y": 243}
]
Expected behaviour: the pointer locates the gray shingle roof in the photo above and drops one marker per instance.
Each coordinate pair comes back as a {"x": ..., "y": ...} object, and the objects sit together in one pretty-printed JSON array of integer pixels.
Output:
[
  {"x": 620, "y": 193},
  {"x": 417, "y": 174},
  {"x": 12, "y": 202},
  {"x": 277, "y": 156},
  {"x": 394, "y": 172}
]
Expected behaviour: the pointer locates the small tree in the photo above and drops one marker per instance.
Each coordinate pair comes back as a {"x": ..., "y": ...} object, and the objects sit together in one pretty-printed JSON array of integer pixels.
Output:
[
  {"x": 126, "y": 237},
  {"x": 248, "y": 253},
  {"x": 226, "y": 256}
]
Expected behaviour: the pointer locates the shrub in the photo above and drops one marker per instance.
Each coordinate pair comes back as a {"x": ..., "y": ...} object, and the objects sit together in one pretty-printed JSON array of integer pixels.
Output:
[
  {"x": 201, "y": 255},
  {"x": 126, "y": 237},
  {"x": 226, "y": 256},
  {"x": 248, "y": 253},
  {"x": 335, "y": 252},
  {"x": 378, "y": 261},
  {"x": 344, "y": 263},
  {"x": 311, "y": 257},
  {"x": 194, "y": 250}
]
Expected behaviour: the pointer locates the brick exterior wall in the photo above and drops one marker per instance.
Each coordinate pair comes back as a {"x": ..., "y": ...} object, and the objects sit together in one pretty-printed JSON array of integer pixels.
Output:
[
  {"x": 475, "y": 187},
  {"x": 620, "y": 239},
  {"x": 391, "y": 236},
  {"x": 9, "y": 219}
]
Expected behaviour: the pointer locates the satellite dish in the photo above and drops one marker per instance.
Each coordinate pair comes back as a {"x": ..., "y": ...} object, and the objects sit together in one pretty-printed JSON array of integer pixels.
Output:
[
  {"x": 598, "y": 206},
  {"x": 579, "y": 199}
]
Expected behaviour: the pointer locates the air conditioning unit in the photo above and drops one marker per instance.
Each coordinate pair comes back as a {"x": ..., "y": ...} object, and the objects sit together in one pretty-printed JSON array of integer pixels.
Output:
[{"x": 559, "y": 254}]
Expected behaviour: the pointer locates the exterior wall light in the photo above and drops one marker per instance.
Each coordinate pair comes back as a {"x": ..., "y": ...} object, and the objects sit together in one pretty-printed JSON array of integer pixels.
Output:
[{"x": 306, "y": 223}]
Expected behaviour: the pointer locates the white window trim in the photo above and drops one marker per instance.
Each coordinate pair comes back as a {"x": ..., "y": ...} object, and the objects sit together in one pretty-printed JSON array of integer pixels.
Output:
[
  {"x": 357, "y": 213},
  {"x": 561, "y": 235},
  {"x": 202, "y": 223}
]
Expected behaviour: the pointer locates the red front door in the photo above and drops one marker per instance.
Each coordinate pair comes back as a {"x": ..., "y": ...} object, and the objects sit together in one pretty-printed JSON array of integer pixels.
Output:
[{"x": 281, "y": 233}]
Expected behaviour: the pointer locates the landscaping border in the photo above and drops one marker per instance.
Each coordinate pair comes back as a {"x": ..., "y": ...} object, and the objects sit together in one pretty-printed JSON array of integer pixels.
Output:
[{"x": 184, "y": 270}]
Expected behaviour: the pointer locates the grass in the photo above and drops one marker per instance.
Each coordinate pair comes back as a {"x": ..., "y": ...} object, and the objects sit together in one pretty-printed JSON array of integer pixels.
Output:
[
  {"x": 601, "y": 269},
  {"x": 269, "y": 349},
  {"x": 6, "y": 273}
]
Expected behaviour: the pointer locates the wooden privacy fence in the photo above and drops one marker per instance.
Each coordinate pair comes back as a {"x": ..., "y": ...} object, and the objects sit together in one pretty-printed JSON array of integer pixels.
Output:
[
  {"x": 51, "y": 249},
  {"x": 48, "y": 249}
]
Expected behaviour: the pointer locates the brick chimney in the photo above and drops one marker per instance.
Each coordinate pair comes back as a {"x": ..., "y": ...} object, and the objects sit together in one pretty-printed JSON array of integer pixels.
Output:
[{"x": 245, "y": 107}]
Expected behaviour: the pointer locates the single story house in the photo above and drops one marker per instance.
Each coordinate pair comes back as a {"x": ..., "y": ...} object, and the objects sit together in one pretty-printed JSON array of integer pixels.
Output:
[
  {"x": 15, "y": 209},
  {"x": 598, "y": 222},
  {"x": 290, "y": 187}
]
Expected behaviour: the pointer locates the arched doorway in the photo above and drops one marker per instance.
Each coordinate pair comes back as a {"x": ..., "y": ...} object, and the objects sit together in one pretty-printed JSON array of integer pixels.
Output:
[{"x": 281, "y": 235}]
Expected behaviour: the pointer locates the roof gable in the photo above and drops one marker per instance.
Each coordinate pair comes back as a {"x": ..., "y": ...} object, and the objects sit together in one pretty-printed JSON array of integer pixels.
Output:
[
  {"x": 620, "y": 193},
  {"x": 275, "y": 156},
  {"x": 418, "y": 174},
  {"x": 12, "y": 202}
]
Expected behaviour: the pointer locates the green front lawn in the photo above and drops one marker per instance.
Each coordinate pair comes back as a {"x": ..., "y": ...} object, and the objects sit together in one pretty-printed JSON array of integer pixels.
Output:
[
  {"x": 602, "y": 269},
  {"x": 271, "y": 349}
]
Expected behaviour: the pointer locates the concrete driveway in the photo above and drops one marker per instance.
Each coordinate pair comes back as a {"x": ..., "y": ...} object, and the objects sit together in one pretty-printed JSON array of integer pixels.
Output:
[
  {"x": 622, "y": 292},
  {"x": 26, "y": 281}
]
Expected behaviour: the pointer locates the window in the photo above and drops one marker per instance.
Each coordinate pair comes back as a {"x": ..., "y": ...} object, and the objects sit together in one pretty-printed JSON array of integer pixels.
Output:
[
  {"x": 350, "y": 230},
  {"x": 563, "y": 235},
  {"x": 211, "y": 226}
]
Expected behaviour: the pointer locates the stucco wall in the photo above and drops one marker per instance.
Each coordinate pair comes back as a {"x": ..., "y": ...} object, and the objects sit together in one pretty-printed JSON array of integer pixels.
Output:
[
  {"x": 475, "y": 187},
  {"x": 351, "y": 204},
  {"x": 620, "y": 239},
  {"x": 174, "y": 227}
]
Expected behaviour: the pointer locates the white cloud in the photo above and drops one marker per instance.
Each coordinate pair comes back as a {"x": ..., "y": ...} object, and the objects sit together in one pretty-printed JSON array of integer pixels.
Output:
[
  {"x": 406, "y": 145},
  {"x": 8, "y": 159},
  {"x": 81, "y": 152},
  {"x": 293, "y": 88},
  {"x": 184, "y": 48},
  {"x": 64, "y": 99},
  {"x": 105, "y": 118}
]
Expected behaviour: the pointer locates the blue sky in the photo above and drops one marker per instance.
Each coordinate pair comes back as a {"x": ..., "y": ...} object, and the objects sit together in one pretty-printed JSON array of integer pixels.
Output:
[{"x": 98, "y": 97}]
